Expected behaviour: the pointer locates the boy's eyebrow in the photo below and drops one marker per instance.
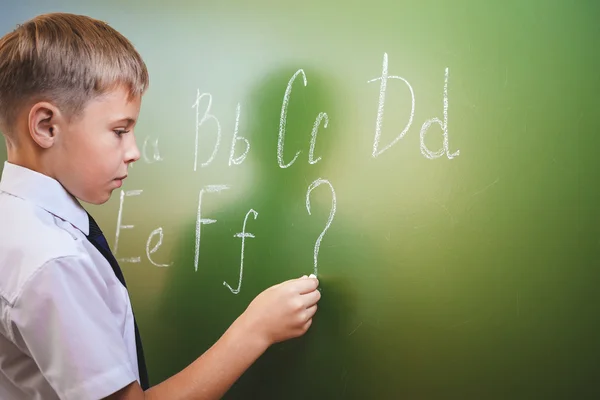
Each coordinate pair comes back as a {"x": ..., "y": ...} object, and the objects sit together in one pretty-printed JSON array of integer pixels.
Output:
[{"x": 129, "y": 121}]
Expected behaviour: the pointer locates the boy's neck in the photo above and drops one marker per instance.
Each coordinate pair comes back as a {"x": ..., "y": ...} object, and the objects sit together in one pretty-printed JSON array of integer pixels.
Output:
[{"x": 25, "y": 156}]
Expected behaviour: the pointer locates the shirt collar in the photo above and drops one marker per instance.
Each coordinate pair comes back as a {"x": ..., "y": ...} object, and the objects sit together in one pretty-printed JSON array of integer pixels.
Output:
[{"x": 44, "y": 192}]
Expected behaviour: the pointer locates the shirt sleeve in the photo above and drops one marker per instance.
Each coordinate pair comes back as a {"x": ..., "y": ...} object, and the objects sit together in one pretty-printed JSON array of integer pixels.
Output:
[{"x": 63, "y": 321}]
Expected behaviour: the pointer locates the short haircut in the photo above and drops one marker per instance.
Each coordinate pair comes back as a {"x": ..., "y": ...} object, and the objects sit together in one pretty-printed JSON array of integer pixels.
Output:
[{"x": 66, "y": 59}]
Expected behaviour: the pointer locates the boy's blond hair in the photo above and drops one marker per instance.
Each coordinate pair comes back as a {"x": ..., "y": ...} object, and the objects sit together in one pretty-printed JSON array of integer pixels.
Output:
[{"x": 66, "y": 59}]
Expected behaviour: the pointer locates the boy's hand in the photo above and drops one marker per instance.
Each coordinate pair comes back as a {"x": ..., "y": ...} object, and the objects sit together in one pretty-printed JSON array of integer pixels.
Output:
[{"x": 283, "y": 311}]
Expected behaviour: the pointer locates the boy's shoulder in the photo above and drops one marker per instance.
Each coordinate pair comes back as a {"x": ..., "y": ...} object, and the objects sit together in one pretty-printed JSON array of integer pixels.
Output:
[{"x": 30, "y": 237}]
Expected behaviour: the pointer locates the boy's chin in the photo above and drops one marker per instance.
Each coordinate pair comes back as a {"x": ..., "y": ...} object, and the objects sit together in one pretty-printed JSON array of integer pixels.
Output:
[
  {"x": 103, "y": 199},
  {"x": 98, "y": 199}
]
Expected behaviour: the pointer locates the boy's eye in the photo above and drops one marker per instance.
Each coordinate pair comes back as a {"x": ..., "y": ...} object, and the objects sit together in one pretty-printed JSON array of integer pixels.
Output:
[{"x": 120, "y": 132}]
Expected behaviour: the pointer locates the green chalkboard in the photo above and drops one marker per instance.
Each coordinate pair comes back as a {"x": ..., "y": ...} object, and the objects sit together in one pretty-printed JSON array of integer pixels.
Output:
[{"x": 458, "y": 141}]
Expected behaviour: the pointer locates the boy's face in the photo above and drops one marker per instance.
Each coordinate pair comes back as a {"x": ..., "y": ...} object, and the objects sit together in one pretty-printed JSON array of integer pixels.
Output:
[{"x": 94, "y": 150}]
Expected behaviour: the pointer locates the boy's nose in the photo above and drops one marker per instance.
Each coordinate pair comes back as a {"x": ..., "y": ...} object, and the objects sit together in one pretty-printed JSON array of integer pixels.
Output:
[{"x": 133, "y": 152}]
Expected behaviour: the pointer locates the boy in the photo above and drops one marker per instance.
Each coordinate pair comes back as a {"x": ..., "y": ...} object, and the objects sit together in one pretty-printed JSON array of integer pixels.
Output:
[{"x": 70, "y": 94}]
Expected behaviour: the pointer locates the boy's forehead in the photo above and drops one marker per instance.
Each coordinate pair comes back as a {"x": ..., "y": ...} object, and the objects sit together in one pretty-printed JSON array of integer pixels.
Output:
[
  {"x": 118, "y": 95},
  {"x": 117, "y": 105}
]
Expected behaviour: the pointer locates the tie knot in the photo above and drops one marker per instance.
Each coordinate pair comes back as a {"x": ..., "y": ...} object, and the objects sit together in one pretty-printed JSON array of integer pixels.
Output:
[
  {"x": 96, "y": 237},
  {"x": 94, "y": 228}
]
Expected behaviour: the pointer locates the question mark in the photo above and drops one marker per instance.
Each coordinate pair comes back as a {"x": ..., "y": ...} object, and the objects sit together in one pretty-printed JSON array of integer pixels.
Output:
[{"x": 313, "y": 186}]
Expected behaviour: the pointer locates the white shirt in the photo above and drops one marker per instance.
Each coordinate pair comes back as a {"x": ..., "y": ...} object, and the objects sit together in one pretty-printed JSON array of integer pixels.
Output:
[{"x": 66, "y": 323}]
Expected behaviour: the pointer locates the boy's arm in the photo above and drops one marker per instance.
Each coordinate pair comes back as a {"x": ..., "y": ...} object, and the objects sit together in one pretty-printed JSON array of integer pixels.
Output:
[
  {"x": 279, "y": 313},
  {"x": 209, "y": 376}
]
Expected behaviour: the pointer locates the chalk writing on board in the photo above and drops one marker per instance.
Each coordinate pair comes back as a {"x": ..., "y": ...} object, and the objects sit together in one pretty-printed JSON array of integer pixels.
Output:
[
  {"x": 311, "y": 187},
  {"x": 236, "y": 137},
  {"x": 158, "y": 231},
  {"x": 313, "y": 140},
  {"x": 443, "y": 124},
  {"x": 121, "y": 226},
  {"x": 283, "y": 119},
  {"x": 380, "y": 108},
  {"x": 204, "y": 221},
  {"x": 207, "y": 116},
  {"x": 243, "y": 234},
  {"x": 155, "y": 154}
]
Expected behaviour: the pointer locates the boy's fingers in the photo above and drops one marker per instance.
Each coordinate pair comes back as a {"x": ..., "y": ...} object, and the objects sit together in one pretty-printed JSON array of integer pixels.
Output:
[
  {"x": 312, "y": 298},
  {"x": 307, "y": 325},
  {"x": 290, "y": 281},
  {"x": 310, "y": 311},
  {"x": 306, "y": 285}
]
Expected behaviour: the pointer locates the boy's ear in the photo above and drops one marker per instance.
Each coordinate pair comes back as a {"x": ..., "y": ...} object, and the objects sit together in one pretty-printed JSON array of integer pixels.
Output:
[{"x": 44, "y": 119}]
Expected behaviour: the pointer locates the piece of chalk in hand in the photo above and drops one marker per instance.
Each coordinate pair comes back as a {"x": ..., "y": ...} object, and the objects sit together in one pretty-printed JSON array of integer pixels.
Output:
[{"x": 312, "y": 276}]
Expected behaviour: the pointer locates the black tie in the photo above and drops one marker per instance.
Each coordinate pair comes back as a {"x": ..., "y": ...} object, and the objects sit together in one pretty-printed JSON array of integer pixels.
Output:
[{"x": 99, "y": 241}]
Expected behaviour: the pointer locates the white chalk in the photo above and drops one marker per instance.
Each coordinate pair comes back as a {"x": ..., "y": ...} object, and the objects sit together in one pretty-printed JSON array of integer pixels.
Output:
[{"x": 312, "y": 276}]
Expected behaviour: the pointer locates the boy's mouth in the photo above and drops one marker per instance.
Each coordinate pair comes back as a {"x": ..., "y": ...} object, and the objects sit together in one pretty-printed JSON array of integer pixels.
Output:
[{"x": 119, "y": 181}]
